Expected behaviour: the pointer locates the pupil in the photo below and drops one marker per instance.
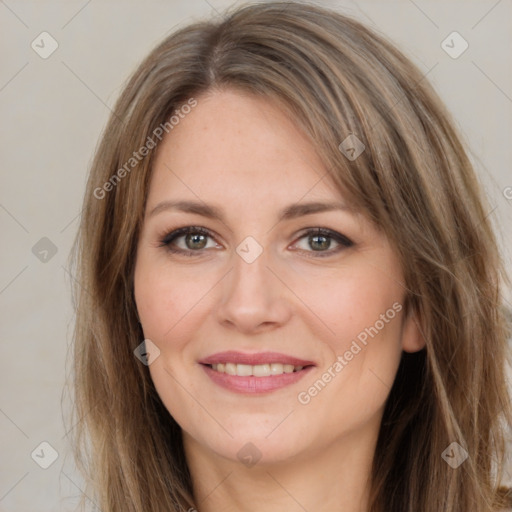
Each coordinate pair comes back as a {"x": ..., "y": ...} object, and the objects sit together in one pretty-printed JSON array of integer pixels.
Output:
[
  {"x": 319, "y": 242},
  {"x": 198, "y": 239}
]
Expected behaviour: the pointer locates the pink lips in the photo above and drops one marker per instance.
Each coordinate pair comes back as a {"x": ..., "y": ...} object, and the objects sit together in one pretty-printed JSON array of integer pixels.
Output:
[
  {"x": 232, "y": 356},
  {"x": 252, "y": 384}
]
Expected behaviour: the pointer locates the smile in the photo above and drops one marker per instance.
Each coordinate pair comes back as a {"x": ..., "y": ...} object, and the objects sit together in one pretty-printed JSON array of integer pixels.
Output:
[
  {"x": 255, "y": 373},
  {"x": 258, "y": 370}
]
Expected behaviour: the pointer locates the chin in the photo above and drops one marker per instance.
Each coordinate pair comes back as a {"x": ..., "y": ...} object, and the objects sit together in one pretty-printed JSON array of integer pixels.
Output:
[{"x": 259, "y": 451}]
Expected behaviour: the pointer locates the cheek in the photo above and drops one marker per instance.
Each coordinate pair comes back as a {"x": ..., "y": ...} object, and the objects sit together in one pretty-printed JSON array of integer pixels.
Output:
[
  {"x": 169, "y": 302},
  {"x": 363, "y": 313},
  {"x": 352, "y": 302},
  {"x": 361, "y": 325},
  {"x": 167, "y": 297}
]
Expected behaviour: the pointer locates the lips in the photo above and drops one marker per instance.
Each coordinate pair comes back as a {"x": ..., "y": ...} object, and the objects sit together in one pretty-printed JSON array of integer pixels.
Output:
[
  {"x": 255, "y": 373},
  {"x": 260, "y": 358}
]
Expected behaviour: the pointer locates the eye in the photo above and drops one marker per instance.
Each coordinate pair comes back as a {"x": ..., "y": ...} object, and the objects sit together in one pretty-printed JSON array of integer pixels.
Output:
[
  {"x": 320, "y": 240},
  {"x": 194, "y": 240}
]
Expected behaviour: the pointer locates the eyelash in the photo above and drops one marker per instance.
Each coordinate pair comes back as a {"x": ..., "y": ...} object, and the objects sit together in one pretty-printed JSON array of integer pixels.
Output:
[{"x": 169, "y": 238}]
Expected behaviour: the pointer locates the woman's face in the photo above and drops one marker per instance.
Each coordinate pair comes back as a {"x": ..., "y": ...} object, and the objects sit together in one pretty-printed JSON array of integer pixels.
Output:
[{"x": 237, "y": 307}]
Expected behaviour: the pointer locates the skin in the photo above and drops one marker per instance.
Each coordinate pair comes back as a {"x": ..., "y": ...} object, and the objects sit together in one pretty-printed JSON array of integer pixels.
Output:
[{"x": 244, "y": 155}]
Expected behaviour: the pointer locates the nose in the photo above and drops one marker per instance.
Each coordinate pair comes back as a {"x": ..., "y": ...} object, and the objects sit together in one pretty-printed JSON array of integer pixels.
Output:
[{"x": 253, "y": 297}]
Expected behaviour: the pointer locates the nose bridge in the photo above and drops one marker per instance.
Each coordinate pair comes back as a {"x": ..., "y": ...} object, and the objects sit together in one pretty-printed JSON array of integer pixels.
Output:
[
  {"x": 251, "y": 294},
  {"x": 250, "y": 276}
]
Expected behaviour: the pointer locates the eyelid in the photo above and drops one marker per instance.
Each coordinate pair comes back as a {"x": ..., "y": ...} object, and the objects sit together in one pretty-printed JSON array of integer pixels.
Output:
[{"x": 170, "y": 236}]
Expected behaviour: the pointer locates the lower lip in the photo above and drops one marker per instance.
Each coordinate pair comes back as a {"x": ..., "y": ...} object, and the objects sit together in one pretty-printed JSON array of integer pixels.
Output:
[{"x": 254, "y": 385}]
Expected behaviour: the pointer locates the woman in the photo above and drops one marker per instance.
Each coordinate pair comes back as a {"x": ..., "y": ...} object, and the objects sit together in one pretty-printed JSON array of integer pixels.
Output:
[{"x": 290, "y": 291}]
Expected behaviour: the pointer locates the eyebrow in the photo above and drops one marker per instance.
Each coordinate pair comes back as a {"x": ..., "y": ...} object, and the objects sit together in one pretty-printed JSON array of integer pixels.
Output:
[{"x": 212, "y": 212}]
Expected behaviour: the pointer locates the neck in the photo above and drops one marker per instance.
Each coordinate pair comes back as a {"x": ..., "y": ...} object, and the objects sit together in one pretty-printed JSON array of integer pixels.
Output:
[{"x": 336, "y": 479}]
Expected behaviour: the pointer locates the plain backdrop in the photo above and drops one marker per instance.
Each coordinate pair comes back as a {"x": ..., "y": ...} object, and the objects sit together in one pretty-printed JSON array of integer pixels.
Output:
[{"x": 52, "y": 111}]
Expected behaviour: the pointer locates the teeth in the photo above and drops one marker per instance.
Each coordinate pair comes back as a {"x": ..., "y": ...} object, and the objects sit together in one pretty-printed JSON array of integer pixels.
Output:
[
  {"x": 230, "y": 368},
  {"x": 244, "y": 370},
  {"x": 258, "y": 370}
]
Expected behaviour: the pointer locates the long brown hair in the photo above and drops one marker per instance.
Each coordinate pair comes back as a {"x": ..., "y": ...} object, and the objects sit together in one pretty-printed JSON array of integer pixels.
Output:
[{"x": 414, "y": 181}]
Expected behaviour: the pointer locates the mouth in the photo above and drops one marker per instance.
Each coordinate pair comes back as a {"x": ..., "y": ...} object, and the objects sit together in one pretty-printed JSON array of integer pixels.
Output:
[{"x": 255, "y": 373}]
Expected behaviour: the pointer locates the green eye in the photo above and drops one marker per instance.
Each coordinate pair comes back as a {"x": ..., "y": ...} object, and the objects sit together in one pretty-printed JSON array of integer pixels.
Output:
[
  {"x": 195, "y": 239},
  {"x": 319, "y": 240}
]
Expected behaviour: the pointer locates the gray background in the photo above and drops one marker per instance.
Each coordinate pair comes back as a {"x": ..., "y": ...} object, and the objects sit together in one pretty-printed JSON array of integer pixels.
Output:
[{"x": 52, "y": 112}]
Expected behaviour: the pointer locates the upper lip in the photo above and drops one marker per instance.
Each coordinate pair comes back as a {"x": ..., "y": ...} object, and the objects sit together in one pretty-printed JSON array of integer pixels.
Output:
[{"x": 232, "y": 356}]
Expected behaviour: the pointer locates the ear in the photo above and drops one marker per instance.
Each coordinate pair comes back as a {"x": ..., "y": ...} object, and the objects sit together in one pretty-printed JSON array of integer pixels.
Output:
[{"x": 412, "y": 337}]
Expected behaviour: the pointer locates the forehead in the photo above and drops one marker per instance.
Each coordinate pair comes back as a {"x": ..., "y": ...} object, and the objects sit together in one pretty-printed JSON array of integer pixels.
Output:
[{"x": 235, "y": 144}]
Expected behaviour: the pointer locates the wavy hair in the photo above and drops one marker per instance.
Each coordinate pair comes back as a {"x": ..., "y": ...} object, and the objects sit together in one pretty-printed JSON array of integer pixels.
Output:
[{"x": 414, "y": 180}]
